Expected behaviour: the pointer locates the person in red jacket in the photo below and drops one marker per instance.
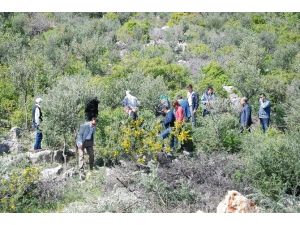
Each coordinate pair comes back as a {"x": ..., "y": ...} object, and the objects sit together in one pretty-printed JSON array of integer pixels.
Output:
[{"x": 179, "y": 113}]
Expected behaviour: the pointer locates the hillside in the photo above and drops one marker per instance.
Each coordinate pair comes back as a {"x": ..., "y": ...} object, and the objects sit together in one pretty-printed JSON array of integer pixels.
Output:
[{"x": 68, "y": 59}]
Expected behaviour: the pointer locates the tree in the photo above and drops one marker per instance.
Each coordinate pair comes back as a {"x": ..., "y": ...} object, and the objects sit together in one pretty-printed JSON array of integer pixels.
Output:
[{"x": 63, "y": 108}]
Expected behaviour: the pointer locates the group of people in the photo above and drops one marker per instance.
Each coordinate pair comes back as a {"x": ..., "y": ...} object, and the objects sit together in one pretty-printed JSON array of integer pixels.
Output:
[{"x": 182, "y": 110}]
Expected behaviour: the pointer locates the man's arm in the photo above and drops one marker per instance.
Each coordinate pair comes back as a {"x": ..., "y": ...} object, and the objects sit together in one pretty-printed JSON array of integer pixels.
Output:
[
  {"x": 247, "y": 116},
  {"x": 203, "y": 99},
  {"x": 80, "y": 136},
  {"x": 265, "y": 104}
]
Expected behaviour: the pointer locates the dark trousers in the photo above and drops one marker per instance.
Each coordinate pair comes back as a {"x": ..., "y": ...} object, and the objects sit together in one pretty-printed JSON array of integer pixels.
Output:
[
  {"x": 38, "y": 140},
  {"x": 264, "y": 122}
]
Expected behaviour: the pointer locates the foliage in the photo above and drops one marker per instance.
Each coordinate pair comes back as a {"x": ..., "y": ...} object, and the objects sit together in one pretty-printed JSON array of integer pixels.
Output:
[{"x": 16, "y": 191}]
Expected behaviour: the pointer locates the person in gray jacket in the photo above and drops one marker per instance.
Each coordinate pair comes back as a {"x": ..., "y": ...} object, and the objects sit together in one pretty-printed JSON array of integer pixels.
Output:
[
  {"x": 245, "y": 115},
  {"x": 264, "y": 112},
  {"x": 207, "y": 99},
  {"x": 85, "y": 140}
]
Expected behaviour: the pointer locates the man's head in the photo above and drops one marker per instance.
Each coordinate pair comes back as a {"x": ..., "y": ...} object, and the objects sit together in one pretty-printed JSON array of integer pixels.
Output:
[
  {"x": 210, "y": 90},
  {"x": 176, "y": 104},
  {"x": 262, "y": 96},
  {"x": 38, "y": 100},
  {"x": 244, "y": 101},
  {"x": 165, "y": 109},
  {"x": 190, "y": 88},
  {"x": 94, "y": 121}
]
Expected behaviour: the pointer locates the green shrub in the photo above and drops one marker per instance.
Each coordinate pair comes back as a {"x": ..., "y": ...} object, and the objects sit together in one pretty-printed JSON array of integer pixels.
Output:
[{"x": 272, "y": 163}]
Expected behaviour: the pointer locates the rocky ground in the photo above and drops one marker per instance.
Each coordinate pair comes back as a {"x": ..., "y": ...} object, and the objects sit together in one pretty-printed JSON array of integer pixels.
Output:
[{"x": 187, "y": 183}]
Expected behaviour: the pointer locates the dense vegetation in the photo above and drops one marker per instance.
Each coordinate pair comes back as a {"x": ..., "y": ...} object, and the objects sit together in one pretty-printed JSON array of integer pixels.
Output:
[{"x": 66, "y": 58}]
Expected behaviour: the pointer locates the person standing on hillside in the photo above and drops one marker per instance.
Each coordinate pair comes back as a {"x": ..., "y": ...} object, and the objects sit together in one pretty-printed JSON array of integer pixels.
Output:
[
  {"x": 179, "y": 112},
  {"x": 85, "y": 140},
  {"x": 130, "y": 102},
  {"x": 37, "y": 118},
  {"x": 207, "y": 98},
  {"x": 168, "y": 122},
  {"x": 193, "y": 100},
  {"x": 264, "y": 112},
  {"x": 185, "y": 105},
  {"x": 245, "y": 115}
]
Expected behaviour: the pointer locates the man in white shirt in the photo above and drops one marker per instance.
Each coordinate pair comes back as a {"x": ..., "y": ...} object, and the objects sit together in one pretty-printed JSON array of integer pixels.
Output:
[
  {"x": 193, "y": 102},
  {"x": 37, "y": 118}
]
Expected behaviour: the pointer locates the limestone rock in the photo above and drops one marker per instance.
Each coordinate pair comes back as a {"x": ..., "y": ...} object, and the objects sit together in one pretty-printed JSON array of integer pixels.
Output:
[
  {"x": 235, "y": 202},
  {"x": 4, "y": 148},
  {"x": 15, "y": 134},
  {"x": 41, "y": 157},
  {"x": 51, "y": 172},
  {"x": 13, "y": 146},
  {"x": 58, "y": 156}
]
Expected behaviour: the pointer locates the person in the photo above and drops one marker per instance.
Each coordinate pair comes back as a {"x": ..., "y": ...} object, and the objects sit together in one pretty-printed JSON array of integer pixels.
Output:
[
  {"x": 132, "y": 114},
  {"x": 85, "y": 140},
  {"x": 179, "y": 112},
  {"x": 168, "y": 122},
  {"x": 37, "y": 118},
  {"x": 163, "y": 101},
  {"x": 264, "y": 112},
  {"x": 245, "y": 115},
  {"x": 185, "y": 105},
  {"x": 131, "y": 101},
  {"x": 207, "y": 98},
  {"x": 193, "y": 101}
]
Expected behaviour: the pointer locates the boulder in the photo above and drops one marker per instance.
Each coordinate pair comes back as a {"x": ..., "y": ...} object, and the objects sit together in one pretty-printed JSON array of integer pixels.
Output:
[
  {"x": 4, "y": 148},
  {"x": 51, "y": 172},
  {"x": 58, "y": 156},
  {"x": 15, "y": 134},
  {"x": 69, "y": 173},
  {"x": 41, "y": 157},
  {"x": 235, "y": 202},
  {"x": 13, "y": 146}
]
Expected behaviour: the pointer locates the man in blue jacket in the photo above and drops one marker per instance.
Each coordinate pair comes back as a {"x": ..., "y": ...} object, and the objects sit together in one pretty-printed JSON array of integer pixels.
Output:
[
  {"x": 168, "y": 122},
  {"x": 245, "y": 115},
  {"x": 264, "y": 112},
  {"x": 185, "y": 105}
]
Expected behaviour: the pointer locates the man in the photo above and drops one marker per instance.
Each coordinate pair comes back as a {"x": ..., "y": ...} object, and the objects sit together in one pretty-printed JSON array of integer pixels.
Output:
[
  {"x": 179, "y": 112},
  {"x": 132, "y": 114},
  {"x": 185, "y": 105},
  {"x": 264, "y": 112},
  {"x": 193, "y": 101},
  {"x": 207, "y": 98},
  {"x": 245, "y": 115},
  {"x": 168, "y": 122},
  {"x": 85, "y": 140},
  {"x": 37, "y": 118},
  {"x": 131, "y": 101}
]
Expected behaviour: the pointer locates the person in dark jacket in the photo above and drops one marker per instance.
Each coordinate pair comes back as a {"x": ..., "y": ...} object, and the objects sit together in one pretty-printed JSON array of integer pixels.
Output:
[
  {"x": 168, "y": 123},
  {"x": 207, "y": 98},
  {"x": 245, "y": 115},
  {"x": 37, "y": 118},
  {"x": 264, "y": 112},
  {"x": 193, "y": 101},
  {"x": 185, "y": 105}
]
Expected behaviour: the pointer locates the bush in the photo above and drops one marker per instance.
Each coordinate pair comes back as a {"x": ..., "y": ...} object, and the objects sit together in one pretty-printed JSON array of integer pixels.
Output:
[{"x": 272, "y": 163}]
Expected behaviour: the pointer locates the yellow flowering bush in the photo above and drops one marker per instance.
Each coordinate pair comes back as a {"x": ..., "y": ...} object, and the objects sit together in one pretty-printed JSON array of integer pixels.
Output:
[
  {"x": 182, "y": 133},
  {"x": 16, "y": 189}
]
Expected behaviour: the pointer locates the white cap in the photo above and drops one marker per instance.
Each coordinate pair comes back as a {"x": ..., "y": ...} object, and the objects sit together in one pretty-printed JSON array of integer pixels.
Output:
[{"x": 38, "y": 100}]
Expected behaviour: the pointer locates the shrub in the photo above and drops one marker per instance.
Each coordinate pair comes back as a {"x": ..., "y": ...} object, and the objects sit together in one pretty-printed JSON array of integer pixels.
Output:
[
  {"x": 16, "y": 191},
  {"x": 272, "y": 163}
]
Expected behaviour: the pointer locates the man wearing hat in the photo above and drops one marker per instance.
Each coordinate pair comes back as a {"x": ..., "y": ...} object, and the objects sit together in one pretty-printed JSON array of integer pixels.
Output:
[{"x": 37, "y": 118}]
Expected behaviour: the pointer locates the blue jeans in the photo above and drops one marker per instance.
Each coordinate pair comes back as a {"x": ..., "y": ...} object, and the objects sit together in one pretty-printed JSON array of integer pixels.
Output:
[
  {"x": 38, "y": 140},
  {"x": 165, "y": 134},
  {"x": 264, "y": 123}
]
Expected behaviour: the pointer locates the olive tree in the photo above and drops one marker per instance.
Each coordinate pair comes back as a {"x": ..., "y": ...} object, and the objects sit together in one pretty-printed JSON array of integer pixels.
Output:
[{"x": 63, "y": 108}]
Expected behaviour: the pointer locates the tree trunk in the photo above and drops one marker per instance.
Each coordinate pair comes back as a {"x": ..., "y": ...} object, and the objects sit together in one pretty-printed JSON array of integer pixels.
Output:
[{"x": 64, "y": 152}]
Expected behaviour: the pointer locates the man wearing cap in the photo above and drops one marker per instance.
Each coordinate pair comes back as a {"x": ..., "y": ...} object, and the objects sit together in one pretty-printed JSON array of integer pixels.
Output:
[{"x": 37, "y": 118}]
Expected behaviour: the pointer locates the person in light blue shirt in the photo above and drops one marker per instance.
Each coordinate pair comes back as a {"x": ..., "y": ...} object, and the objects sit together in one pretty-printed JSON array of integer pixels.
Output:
[{"x": 264, "y": 112}]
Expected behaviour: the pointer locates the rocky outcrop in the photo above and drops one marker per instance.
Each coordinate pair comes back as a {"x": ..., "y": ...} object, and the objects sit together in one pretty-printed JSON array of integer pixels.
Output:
[
  {"x": 51, "y": 173},
  {"x": 4, "y": 148},
  {"x": 235, "y": 202},
  {"x": 41, "y": 157},
  {"x": 12, "y": 143},
  {"x": 234, "y": 98}
]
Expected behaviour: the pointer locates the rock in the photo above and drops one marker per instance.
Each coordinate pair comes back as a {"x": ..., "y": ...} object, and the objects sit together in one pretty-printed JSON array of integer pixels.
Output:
[
  {"x": 69, "y": 173},
  {"x": 58, "y": 156},
  {"x": 13, "y": 146},
  {"x": 165, "y": 28},
  {"x": 15, "y": 134},
  {"x": 235, "y": 202},
  {"x": 51, "y": 172},
  {"x": 199, "y": 211},
  {"x": 41, "y": 157},
  {"x": 163, "y": 159},
  {"x": 4, "y": 148}
]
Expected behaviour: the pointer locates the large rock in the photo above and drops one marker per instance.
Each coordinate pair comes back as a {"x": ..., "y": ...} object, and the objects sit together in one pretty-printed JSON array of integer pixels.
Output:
[
  {"x": 51, "y": 173},
  {"x": 15, "y": 134},
  {"x": 235, "y": 202},
  {"x": 13, "y": 146},
  {"x": 41, "y": 157},
  {"x": 4, "y": 148},
  {"x": 58, "y": 156}
]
